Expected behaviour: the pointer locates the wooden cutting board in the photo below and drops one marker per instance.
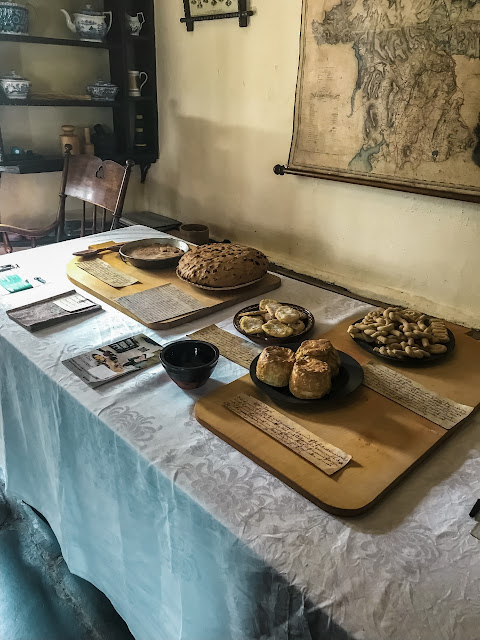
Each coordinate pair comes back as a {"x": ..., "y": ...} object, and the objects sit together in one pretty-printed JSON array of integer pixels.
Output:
[
  {"x": 148, "y": 279},
  {"x": 385, "y": 439}
]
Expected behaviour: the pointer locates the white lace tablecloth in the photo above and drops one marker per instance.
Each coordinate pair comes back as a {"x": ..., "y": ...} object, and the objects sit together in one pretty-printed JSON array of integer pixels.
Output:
[{"x": 190, "y": 539}]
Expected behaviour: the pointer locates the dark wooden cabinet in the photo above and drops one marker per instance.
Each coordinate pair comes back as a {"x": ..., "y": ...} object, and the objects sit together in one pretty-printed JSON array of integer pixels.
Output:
[{"x": 126, "y": 52}]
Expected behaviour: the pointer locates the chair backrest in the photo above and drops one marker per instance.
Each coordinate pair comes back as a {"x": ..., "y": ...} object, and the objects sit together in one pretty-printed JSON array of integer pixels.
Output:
[{"x": 99, "y": 182}]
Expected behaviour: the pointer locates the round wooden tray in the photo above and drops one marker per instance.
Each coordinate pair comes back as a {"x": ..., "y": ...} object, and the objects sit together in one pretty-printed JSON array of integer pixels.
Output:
[{"x": 263, "y": 339}]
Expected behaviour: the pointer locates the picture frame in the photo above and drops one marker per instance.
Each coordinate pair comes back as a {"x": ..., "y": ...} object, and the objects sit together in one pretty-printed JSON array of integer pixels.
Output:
[{"x": 202, "y": 10}]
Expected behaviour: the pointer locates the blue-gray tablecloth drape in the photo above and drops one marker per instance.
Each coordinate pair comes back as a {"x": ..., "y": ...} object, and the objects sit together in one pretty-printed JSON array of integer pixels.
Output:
[{"x": 191, "y": 540}]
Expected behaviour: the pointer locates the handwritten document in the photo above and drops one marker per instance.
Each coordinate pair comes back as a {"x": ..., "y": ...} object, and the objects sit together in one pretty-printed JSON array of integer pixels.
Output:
[
  {"x": 74, "y": 302},
  {"x": 232, "y": 347},
  {"x": 160, "y": 303},
  {"x": 104, "y": 272},
  {"x": 323, "y": 455},
  {"x": 428, "y": 404}
]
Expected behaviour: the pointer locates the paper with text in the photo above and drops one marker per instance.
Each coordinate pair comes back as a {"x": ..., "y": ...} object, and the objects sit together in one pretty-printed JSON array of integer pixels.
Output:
[
  {"x": 104, "y": 272},
  {"x": 428, "y": 404},
  {"x": 75, "y": 302},
  {"x": 323, "y": 455},
  {"x": 232, "y": 347},
  {"x": 160, "y": 303}
]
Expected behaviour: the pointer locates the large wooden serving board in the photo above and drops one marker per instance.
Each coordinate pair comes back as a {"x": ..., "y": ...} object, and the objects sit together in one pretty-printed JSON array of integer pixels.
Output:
[
  {"x": 148, "y": 279},
  {"x": 385, "y": 439}
]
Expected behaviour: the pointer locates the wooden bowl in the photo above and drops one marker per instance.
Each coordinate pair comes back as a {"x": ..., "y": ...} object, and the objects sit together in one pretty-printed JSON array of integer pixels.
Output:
[{"x": 263, "y": 339}]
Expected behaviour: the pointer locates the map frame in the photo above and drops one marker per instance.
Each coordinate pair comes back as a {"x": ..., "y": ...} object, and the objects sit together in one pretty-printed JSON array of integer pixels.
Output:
[{"x": 469, "y": 193}]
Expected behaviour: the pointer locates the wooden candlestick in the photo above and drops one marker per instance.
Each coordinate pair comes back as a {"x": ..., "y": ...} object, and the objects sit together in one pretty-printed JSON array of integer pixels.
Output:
[{"x": 89, "y": 148}]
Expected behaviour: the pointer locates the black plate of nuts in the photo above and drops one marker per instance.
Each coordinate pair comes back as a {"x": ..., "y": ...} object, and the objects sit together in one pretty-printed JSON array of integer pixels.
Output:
[{"x": 404, "y": 337}]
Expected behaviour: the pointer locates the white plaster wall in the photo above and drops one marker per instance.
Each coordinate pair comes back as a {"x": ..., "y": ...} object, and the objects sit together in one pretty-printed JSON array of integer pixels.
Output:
[{"x": 226, "y": 98}]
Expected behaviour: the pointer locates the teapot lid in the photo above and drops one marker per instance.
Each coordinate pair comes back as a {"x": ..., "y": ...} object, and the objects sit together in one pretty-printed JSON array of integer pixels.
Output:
[
  {"x": 12, "y": 76},
  {"x": 88, "y": 11}
]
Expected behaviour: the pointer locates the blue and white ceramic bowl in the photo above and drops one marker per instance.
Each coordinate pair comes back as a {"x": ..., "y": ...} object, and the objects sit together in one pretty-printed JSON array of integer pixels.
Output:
[
  {"x": 102, "y": 90},
  {"x": 15, "y": 87},
  {"x": 14, "y": 19}
]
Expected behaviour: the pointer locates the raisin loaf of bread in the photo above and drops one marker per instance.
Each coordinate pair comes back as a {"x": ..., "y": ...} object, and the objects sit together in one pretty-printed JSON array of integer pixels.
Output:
[{"x": 222, "y": 265}]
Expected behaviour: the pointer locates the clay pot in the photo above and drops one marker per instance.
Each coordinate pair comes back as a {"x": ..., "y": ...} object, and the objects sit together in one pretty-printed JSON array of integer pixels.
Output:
[{"x": 195, "y": 233}]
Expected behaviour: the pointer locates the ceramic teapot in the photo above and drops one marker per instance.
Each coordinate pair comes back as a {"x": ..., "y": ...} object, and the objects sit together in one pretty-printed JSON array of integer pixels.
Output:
[
  {"x": 14, "y": 18},
  {"x": 92, "y": 26}
]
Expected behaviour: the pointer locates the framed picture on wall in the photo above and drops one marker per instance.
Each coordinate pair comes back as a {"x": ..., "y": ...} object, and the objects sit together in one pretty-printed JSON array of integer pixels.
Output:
[
  {"x": 200, "y": 10},
  {"x": 388, "y": 95}
]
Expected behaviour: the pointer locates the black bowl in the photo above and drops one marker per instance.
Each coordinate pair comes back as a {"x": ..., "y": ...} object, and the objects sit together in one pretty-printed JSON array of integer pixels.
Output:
[
  {"x": 349, "y": 378},
  {"x": 190, "y": 363}
]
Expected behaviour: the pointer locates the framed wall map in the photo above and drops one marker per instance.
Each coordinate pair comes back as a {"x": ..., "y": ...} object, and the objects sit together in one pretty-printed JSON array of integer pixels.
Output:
[{"x": 388, "y": 95}]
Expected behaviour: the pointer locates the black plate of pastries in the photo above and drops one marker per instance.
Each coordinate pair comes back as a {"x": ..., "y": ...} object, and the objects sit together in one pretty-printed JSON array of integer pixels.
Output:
[
  {"x": 405, "y": 337},
  {"x": 274, "y": 323},
  {"x": 315, "y": 374}
]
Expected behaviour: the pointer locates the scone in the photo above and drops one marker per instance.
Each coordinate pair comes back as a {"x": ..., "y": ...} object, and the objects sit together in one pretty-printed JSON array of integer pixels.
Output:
[
  {"x": 251, "y": 324},
  {"x": 287, "y": 315},
  {"x": 321, "y": 350},
  {"x": 262, "y": 305},
  {"x": 311, "y": 379},
  {"x": 222, "y": 265},
  {"x": 277, "y": 329},
  {"x": 275, "y": 365},
  {"x": 298, "y": 327}
]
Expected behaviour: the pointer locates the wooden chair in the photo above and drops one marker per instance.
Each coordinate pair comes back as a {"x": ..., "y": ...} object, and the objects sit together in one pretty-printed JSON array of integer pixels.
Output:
[{"x": 102, "y": 183}]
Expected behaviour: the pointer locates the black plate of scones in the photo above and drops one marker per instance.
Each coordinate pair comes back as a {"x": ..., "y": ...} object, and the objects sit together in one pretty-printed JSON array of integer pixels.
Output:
[
  {"x": 274, "y": 323},
  {"x": 315, "y": 374},
  {"x": 405, "y": 337}
]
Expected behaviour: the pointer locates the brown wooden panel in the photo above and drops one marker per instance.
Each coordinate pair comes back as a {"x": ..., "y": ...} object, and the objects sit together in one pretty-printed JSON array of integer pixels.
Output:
[
  {"x": 148, "y": 279},
  {"x": 386, "y": 440}
]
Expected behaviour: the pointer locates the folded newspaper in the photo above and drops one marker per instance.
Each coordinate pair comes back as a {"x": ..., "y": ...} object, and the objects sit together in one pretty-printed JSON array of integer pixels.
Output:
[{"x": 115, "y": 360}]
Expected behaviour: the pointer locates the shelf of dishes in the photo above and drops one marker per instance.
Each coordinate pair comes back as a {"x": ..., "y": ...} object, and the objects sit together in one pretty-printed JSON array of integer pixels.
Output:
[
  {"x": 91, "y": 26},
  {"x": 17, "y": 91}
]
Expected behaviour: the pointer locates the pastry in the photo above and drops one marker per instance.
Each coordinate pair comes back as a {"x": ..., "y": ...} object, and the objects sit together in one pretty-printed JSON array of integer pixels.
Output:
[
  {"x": 321, "y": 350},
  {"x": 277, "y": 329},
  {"x": 287, "y": 315},
  {"x": 222, "y": 265},
  {"x": 310, "y": 379},
  {"x": 252, "y": 313},
  {"x": 262, "y": 305},
  {"x": 297, "y": 327},
  {"x": 251, "y": 324},
  {"x": 275, "y": 365},
  {"x": 271, "y": 308},
  {"x": 402, "y": 333}
]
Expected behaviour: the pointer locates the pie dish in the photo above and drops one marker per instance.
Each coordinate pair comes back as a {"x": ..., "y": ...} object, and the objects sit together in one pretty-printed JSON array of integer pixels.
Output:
[{"x": 154, "y": 253}]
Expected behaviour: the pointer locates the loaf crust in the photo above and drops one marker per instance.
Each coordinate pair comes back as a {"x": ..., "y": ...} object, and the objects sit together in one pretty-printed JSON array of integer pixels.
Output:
[
  {"x": 275, "y": 365},
  {"x": 321, "y": 350},
  {"x": 222, "y": 265}
]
